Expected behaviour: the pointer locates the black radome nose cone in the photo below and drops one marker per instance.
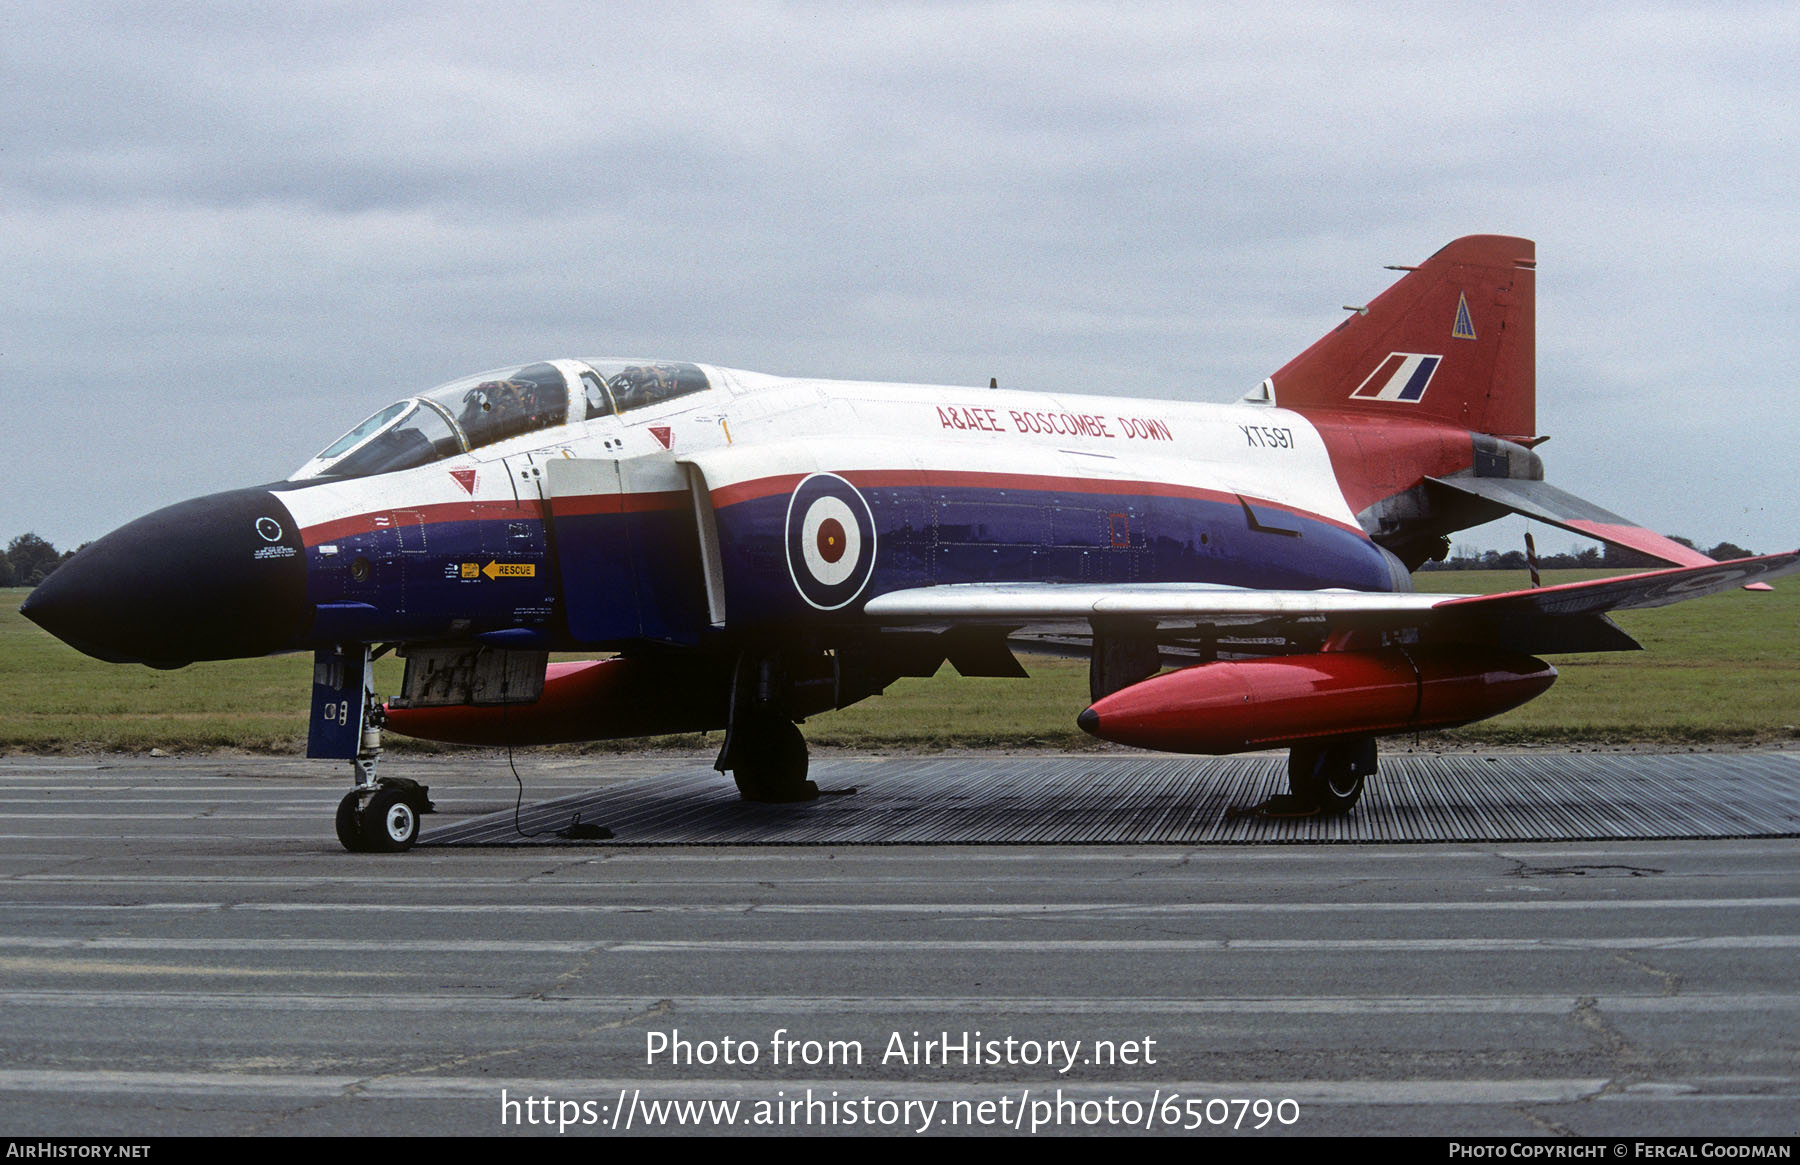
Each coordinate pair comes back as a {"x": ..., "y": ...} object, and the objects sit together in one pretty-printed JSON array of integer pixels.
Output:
[{"x": 218, "y": 577}]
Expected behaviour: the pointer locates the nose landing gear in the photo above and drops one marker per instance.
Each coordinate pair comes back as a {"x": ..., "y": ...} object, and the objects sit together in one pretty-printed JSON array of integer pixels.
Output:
[
  {"x": 381, "y": 814},
  {"x": 382, "y": 818}
]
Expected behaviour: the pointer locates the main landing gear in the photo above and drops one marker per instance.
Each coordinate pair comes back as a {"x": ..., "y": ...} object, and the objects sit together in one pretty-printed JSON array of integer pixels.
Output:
[
  {"x": 767, "y": 759},
  {"x": 763, "y": 750},
  {"x": 1327, "y": 778}
]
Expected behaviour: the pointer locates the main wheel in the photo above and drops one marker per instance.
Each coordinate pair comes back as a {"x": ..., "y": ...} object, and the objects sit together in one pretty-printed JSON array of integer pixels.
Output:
[
  {"x": 769, "y": 761},
  {"x": 1330, "y": 776},
  {"x": 349, "y": 824},
  {"x": 390, "y": 823}
]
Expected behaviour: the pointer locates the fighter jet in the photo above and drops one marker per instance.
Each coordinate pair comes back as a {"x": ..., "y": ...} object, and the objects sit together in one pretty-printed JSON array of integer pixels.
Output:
[{"x": 746, "y": 551}]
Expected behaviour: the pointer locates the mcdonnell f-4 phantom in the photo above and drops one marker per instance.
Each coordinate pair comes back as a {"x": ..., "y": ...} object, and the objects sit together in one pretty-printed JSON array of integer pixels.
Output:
[{"x": 751, "y": 550}]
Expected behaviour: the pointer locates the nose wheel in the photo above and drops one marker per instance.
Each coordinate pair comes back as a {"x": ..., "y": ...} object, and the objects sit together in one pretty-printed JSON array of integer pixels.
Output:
[{"x": 384, "y": 820}]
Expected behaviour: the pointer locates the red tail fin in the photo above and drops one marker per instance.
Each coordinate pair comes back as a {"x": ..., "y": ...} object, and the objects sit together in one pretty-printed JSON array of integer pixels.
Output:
[{"x": 1453, "y": 342}]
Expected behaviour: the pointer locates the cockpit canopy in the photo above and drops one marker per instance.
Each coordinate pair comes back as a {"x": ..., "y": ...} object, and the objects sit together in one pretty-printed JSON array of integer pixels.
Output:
[{"x": 481, "y": 410}]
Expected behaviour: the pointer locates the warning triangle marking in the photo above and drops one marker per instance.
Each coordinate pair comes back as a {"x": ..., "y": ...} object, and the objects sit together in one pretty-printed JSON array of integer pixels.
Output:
[{"x": 1464, "y": 328}]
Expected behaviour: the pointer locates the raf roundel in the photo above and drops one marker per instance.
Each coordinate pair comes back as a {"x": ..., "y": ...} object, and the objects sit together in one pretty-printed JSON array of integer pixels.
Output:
[{"x": 830, "y": 541}]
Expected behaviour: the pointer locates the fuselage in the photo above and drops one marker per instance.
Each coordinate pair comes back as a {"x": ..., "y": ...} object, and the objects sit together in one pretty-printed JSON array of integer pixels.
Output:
[{"x": 730, "y": 503}]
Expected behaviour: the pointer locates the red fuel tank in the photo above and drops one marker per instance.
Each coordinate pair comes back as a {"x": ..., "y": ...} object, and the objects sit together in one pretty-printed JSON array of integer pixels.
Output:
[{"x": 1296, "y": 699}]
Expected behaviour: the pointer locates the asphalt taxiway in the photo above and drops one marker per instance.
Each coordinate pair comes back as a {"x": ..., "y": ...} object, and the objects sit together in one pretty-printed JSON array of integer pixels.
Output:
[{"x": 187, "y": 950}]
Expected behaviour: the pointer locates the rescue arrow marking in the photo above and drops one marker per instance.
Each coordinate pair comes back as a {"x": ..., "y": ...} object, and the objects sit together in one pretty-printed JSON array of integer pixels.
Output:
[{"x": 510, "y": 570}]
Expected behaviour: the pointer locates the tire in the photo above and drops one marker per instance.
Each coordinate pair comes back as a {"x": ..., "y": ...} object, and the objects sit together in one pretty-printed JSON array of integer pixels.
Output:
[
  {"x": 349, "y": 824},
  {"x": 390, "y": 823},
  {"x": 1331, "y": 776},
  {"x": 769, "y": 762}
]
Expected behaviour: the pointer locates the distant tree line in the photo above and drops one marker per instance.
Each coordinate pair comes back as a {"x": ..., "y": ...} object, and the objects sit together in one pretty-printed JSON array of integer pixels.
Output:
[
  {"x": 1609, "y": 558},
  {"x": 29, "y": 560}
]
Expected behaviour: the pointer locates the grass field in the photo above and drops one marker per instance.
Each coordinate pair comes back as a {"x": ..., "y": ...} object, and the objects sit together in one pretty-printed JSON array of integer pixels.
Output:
[{"x": 1716, "y": 671}]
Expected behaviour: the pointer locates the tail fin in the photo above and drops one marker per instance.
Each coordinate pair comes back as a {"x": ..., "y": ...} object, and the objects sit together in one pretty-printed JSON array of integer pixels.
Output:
[{"x": 1453, "y": 342}]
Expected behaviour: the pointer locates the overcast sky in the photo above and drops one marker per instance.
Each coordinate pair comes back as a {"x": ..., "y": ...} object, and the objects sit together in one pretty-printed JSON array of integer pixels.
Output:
[{"x": 230, "y": 231}]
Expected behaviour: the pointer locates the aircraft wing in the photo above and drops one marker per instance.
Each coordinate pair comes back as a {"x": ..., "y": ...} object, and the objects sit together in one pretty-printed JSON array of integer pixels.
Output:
[
  {"x": 1169, "y": 605},
  {"x": 1656, "y": 588},
  {"x": 1017, "y": 604}
]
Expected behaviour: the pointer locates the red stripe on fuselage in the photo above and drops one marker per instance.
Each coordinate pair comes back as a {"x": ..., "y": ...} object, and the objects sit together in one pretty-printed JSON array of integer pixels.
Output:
[
  {"x": 584, "y": 505},
  {"x": 490, "y": 512},
  {"x": 427, "y": 514},
  {"x": 762, "y": 487}
]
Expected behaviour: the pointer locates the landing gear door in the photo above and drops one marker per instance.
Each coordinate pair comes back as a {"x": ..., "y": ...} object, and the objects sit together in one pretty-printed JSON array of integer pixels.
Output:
[
  {"x": 628, "y": 549},
  {"x": 342, "y": 692}
]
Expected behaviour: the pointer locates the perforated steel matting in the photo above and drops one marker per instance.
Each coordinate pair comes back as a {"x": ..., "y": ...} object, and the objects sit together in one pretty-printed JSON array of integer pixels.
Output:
[{"x": 1160, "y": 800}]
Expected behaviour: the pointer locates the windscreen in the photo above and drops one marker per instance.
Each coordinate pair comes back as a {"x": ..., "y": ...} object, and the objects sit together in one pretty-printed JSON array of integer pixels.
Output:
[
  {"x": 455, "y": 418},
  {"x": 419, "y": 434}
]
